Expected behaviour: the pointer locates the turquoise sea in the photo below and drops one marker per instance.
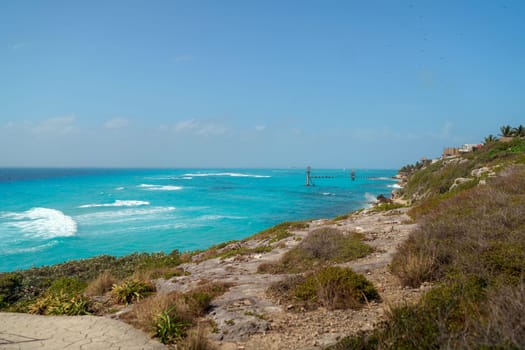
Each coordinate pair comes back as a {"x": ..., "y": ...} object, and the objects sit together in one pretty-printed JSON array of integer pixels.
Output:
[{"x": 50, "y": 216}]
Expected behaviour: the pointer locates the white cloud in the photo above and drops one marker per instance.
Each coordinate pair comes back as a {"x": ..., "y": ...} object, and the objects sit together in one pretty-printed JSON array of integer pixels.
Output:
[
  {"x": 260, "y": 127},
  {"x": 186, "y": 125},
  {"x": 116, "y": 123},
  {"x": 197, "y": 127},
  {"x": 58, "y": 125}
]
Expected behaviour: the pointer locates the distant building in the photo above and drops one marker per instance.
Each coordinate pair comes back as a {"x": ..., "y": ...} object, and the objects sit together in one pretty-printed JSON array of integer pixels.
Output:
[
  {"x": 450, "y": 152},
  {"x": 469, "y": 147}
]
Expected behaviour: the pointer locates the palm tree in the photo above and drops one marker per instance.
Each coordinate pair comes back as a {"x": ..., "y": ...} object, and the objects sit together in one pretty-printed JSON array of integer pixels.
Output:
[
  {"x": 507, "y": 131},
  {"x": 519, "y": 131},
  {"x": 490, "y": 139}
]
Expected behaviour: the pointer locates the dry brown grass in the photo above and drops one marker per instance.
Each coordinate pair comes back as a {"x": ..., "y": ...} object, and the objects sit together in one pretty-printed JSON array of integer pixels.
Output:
[
  {"x": 196, "y": 340},
  {"x": 159, "y": 272},
  {"x": 143, "y": 314},
  {"x": 472, "y": 246},
  {"x": 101, "y": 285},
  {"x": 182, "y": 308}
]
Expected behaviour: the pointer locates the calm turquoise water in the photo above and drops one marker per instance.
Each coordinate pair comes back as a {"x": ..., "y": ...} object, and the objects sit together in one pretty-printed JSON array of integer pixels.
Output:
[{"x": 49, "y": 216}]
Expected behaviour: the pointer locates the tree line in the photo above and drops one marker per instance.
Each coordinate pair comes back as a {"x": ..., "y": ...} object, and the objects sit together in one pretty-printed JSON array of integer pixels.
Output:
[{"x": 507, "y": 131}]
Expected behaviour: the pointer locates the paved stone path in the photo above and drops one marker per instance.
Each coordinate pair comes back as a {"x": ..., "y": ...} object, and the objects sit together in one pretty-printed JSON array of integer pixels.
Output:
[{"x": 27, "y": 332}]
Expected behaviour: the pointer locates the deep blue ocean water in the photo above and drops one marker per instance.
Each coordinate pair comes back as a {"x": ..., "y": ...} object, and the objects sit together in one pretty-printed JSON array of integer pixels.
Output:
[{"x": 50, "y": 216}]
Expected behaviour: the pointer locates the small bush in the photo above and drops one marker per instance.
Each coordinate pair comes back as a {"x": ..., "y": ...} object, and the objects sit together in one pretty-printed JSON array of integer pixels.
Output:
[
  {"x": 280, "y": 231},
  {"x": 60, "y": 304},
  {"x": 63, "y": 297},
  {"x": 10, "y": 283},
  {"x": 321, "y": 246},
  {"x": 169, "y": 327},
  {"x": 169, "y": 316},
  {"x": 331, "y": 287},
  {"x": 131, "y": 291}
]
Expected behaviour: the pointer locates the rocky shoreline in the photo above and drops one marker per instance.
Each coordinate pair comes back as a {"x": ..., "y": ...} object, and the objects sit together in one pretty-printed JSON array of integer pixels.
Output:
[{"x": 245, "y": 317}]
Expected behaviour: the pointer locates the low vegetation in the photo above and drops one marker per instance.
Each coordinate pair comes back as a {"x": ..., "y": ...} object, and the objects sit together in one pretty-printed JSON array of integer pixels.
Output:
[
  {"x": 321, "y": 247},
  {"x": 170, "y": 316},
  {"x": 21, "y": 288},
  {"x": 280, "y": 231},
  {"x": 471, "y": 247},
  {"x": 233, "y": 248},
  {"x": 63, "y": 297},
  {"x": 330, "y": 287},
  {"x": 131, "y": 290},
  {"x": 386, "y": 207}
]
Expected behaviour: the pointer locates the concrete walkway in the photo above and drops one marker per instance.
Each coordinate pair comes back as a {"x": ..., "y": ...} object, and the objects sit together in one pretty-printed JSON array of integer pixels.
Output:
[{"x": 27, "y": 332}]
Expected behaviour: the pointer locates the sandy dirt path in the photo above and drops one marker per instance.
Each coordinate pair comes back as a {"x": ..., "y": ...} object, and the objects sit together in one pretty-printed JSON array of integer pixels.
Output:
[{"x": 27, "y": 332}]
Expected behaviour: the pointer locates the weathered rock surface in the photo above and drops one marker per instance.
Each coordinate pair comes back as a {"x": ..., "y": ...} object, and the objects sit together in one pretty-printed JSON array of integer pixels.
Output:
[{"x": 246, "y": 318}]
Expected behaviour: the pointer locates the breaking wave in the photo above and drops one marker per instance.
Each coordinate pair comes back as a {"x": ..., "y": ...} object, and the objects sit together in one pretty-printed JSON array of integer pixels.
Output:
[
  {"x": 395, "y": 186},
  {"x": 160, "y": 187},
  {"x": 117, "y": 203},
  {"x": 226, "y": 174},
  {"x": 123, "y": 215},
  {"x": 43, "y": 223}
]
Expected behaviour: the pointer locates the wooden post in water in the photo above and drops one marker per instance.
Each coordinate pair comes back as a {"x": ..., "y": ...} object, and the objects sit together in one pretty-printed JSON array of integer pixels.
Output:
[{"x": 308, "y": 176}]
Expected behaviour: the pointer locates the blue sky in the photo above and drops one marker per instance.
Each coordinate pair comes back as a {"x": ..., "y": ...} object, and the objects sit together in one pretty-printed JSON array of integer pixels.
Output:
[{"x": 255, "y": 83}]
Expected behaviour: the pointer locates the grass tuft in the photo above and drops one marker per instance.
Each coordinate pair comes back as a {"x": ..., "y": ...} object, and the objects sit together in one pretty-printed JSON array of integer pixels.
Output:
[
  {"x": 331, "y": 287},
  {"x": 320, "y": 247}
]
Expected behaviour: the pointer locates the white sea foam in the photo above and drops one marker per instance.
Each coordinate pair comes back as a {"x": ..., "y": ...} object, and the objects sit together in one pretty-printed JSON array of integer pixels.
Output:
[
  {"x": 383, "y": 178},
  {"x": 370, "y": 198},
  {"x": 123, "y": 215},
  {"x": 187, "y": 178},
  {"x": 328, "y": 194},
  {"x": 37, "y": 248},
  {"x": 166, "y": 188},
  {"x": 119, "y": 188},
  {"x": 226, "y": 174},
  {"x": 42, "y": 223},
  {"x": 117, "y": 203},
  {"x": 397, "y": 186},
  {"x": 219, "y": 217},
  {"x": 160, "y": 187}
]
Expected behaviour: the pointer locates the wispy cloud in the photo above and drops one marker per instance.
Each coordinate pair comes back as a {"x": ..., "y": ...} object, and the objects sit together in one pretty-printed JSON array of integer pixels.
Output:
[
  {"x": 17, "y": 46},
  {"x": 200, "y": 127},
  {"x": 58, "y": 125},
  {"x": 186, "y": 125},
  {"x": 116, "y": 123},
  {"x": 260, "y": 127},
  {"x": 183, "y": 58}
]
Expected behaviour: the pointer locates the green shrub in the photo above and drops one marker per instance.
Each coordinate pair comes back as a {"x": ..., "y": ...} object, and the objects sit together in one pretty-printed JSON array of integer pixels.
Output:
[
  {"x": 280, "y": 231},
  {"x": 63, "y": 297},
  {"x": 320, "y": 247},
  {"x": 131, "y": 290},
  {"x": 10, "y": 283},
  {"x": 245, "y": 251},
  {"x": 330, "y": 287},
  {"x": 169, "y": 327}
]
